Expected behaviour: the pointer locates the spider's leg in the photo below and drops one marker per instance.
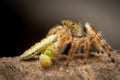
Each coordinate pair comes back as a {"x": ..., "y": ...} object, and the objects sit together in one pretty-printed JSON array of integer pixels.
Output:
[
  {"x": 90, "y": 31},
  {"x": 65, "y": 38},
  {"x": 96, "y": 47},
  {"x": 86, "y": 49},
  {"x": 74, "y": 46},
  {"x": 105, "y": 47}
]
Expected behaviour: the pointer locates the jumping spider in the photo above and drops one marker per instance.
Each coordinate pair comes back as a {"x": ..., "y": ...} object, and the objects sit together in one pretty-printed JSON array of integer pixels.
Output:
[{"x": 70, "y": 32}]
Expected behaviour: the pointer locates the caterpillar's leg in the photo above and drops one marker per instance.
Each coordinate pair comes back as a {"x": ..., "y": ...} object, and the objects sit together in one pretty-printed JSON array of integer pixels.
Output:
[{"x": 74, "y": 46}]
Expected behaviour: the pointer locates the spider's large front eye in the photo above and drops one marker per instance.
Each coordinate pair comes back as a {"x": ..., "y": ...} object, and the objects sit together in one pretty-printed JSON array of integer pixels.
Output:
[{"x": 66, "y": 22}]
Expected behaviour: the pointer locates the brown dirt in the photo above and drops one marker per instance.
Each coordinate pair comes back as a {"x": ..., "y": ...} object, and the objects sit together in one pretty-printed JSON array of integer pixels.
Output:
[{"x": 98, "y": 67}]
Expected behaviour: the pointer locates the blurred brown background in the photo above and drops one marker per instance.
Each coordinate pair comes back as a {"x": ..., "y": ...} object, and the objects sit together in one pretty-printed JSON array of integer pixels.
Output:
[{"x": 24, "y": 22}]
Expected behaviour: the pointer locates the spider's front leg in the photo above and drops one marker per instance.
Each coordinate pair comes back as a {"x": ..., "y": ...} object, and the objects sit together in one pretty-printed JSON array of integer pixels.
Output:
[
  {"x": 74, "y": 46},
  {"x": 86, "y": 49},
  {"x": 65, "y": 38},
  {"x": 86, "y": 42}
]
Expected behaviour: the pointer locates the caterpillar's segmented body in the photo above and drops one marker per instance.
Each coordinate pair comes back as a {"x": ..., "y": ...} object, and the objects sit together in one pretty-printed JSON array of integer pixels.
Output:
[
  {"x": 38, "y": 47},
  {"x": 50, "y": 51}
]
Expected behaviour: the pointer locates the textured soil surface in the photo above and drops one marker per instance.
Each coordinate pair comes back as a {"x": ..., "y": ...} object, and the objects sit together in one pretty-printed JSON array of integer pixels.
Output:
[{"x": 98, "y": 67}]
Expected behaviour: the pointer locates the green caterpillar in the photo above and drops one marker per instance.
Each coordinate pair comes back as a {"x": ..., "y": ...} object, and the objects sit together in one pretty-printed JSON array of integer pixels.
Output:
[
  {"x": 39, "y": 47},
  {"x": 48, "y": 54}
]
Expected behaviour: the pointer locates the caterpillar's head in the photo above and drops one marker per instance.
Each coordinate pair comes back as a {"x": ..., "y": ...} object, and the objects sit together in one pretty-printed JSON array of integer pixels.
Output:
[{"x": 45, "y": 61}]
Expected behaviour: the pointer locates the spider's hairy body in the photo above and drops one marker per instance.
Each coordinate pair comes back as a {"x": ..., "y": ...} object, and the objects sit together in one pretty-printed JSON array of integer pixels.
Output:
[
  {"x": 87, "y": 37},
  {"x": 74, "y": 27},
  {"x": 70, "y": 32}
]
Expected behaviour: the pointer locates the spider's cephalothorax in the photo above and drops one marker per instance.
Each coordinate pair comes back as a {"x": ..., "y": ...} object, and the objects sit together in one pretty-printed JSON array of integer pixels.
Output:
[
  {"x": 69, "y": 32},
  {"x": 74, "y": 27}
]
